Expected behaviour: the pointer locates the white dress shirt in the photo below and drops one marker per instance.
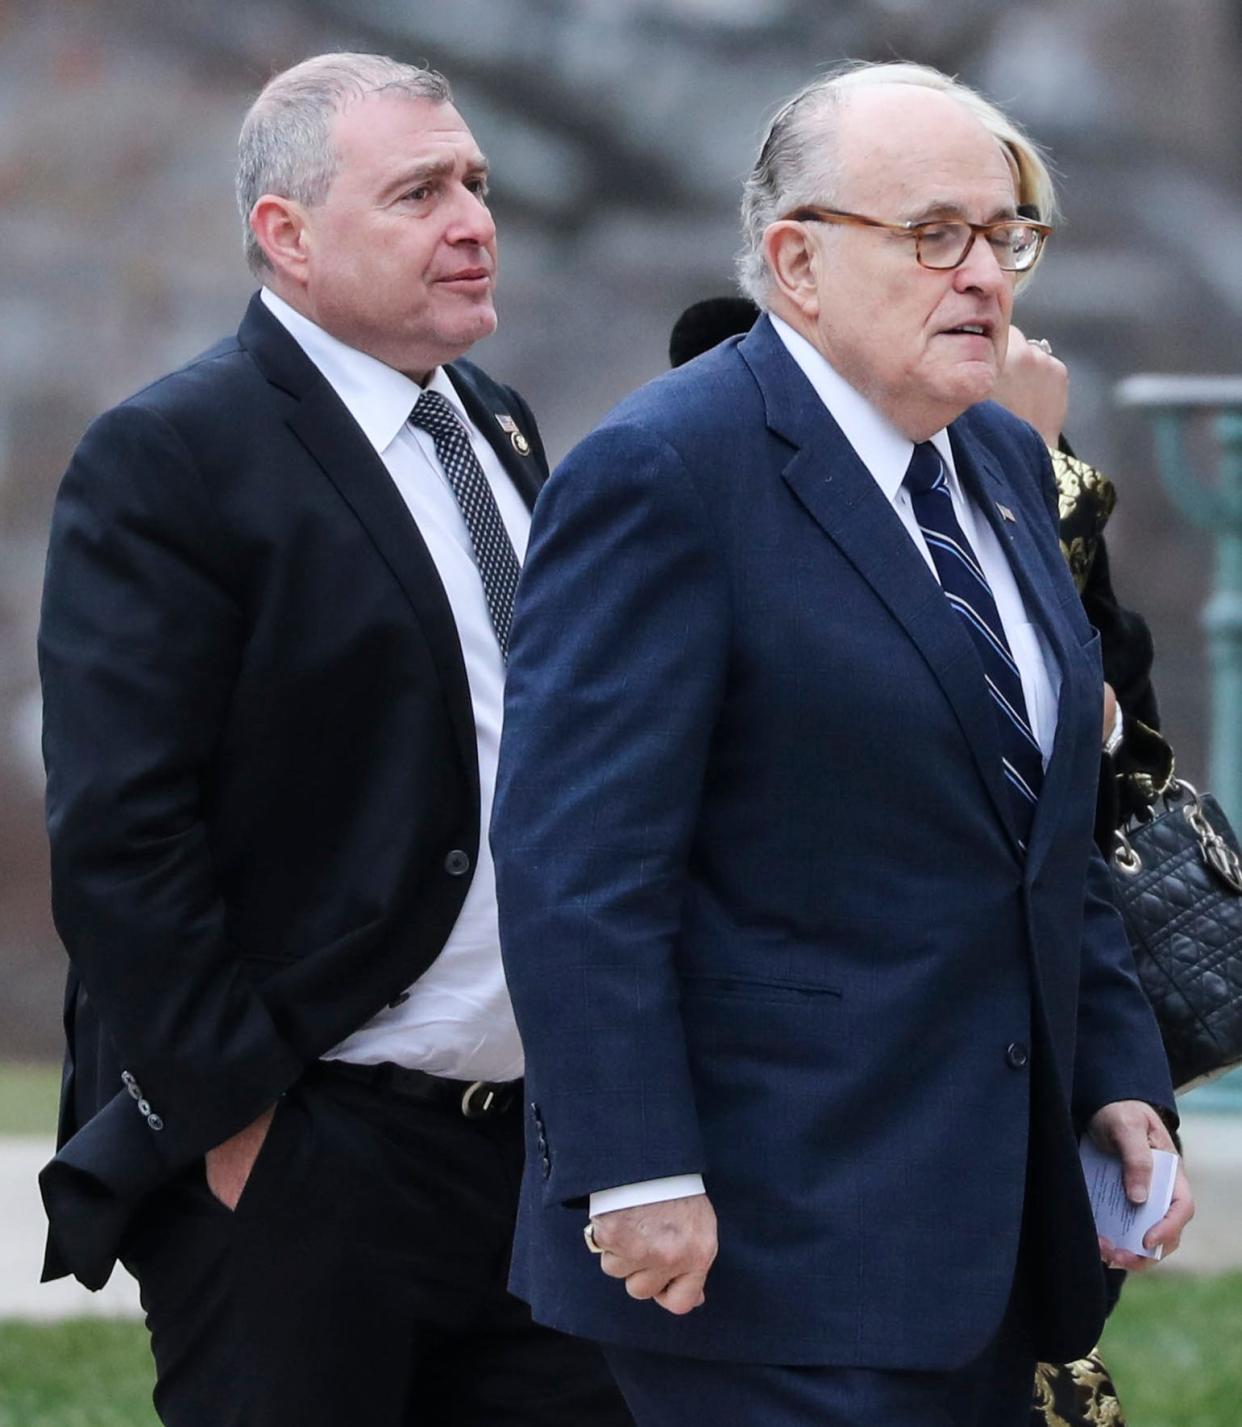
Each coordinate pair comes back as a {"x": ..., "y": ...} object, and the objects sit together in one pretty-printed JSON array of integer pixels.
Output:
[
  {"x": 457, "y": 1020},
  {"x": 886, "y": 454}
]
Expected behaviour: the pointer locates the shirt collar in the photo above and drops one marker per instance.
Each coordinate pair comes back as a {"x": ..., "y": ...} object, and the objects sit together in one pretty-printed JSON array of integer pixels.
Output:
[
  {"x": 876, "y": 441},
  {"x": 377, "y": 396}
]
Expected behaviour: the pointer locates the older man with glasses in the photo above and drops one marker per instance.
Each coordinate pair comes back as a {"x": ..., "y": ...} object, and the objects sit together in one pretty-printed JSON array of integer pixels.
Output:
[{"x": 811, "y": 952}]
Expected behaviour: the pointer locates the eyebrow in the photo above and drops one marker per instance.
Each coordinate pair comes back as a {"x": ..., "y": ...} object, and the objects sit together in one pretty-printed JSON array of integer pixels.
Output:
[
  {"x": 478, "y": 167},
  {"x": 948, "y": 209}
]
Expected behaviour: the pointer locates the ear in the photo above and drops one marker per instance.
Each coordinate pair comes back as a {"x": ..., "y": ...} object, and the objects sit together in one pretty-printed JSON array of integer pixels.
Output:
[
  {"x": 794, "y": 261},
  {"x": 282, "y": 228}
]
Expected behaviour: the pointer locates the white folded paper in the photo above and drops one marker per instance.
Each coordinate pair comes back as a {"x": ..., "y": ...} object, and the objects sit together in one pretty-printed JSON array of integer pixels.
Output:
[{"x": 1123, "y": 1224}]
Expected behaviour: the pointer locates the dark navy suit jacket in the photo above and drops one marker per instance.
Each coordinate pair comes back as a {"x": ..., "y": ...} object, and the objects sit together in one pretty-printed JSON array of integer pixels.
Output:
[
  {"x": 763, "y": 911},
  {"x": 260, "y": 749}
]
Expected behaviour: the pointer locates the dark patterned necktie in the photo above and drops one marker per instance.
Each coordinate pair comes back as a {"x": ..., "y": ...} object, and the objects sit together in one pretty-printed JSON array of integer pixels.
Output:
[
  {"x": 968, "y": 592},
  {"x": 493, "y": 550}
]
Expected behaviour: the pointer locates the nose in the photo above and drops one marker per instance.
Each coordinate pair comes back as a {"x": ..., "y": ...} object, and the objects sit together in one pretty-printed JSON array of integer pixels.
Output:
[
  {"x": 980, "y": 269},
  {"x": 473, "y": 222}
]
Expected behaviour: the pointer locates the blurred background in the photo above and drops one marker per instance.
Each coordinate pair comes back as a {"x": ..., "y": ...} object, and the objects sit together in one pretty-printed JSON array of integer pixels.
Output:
[{"x": 619, "y": 132}]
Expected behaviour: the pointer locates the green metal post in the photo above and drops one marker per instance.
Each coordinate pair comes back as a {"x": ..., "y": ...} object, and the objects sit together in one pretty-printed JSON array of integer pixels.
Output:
[
  {"x": 1217, "y": 507},
  {"x": 1222, "y": 617}
]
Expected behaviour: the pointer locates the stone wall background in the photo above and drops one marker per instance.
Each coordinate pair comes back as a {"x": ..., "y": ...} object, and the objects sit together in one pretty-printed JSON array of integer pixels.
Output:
[{"x": 619, "y": 131}]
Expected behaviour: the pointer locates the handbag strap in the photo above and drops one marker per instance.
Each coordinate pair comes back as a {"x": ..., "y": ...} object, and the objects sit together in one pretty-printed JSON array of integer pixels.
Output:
[{"x": 1217, "y": 855}]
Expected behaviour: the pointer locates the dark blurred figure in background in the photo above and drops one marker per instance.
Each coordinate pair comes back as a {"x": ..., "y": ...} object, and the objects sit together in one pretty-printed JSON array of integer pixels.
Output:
[{"x": 273, "y": 650}]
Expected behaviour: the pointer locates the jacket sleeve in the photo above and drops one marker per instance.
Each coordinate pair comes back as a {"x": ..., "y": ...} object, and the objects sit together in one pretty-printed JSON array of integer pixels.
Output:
[
  {"x": 139, "y": 643},
  {"x": 615, "y": 675}
]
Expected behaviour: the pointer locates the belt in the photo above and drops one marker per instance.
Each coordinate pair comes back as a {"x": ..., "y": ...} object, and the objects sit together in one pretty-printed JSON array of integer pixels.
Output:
[{"x": 475, "y": 1099}]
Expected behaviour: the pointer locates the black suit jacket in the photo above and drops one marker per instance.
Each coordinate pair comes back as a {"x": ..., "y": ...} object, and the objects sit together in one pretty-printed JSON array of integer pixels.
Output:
[{"x": 260, "y": 752}]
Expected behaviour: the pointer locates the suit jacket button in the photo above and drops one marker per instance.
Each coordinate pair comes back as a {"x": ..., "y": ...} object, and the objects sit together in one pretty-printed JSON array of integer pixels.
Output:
[
  {"x": 398, "y": 1000},
  {"x": 154, "y": 1122},
  {"x": 1016, "y": 1055},
  {"x": 457, "y": 863},
  {"x": 144, "y": 1107}
]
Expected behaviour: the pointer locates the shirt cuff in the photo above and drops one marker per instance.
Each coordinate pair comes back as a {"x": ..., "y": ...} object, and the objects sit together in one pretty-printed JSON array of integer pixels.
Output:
[
  {"x": 647, "y": 1191},
  {"x": 1113, "y": 742}
]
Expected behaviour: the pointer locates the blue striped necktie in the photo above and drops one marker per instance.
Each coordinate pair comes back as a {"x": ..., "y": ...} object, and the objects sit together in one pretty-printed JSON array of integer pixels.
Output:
[{"x": 969, "y": 594}]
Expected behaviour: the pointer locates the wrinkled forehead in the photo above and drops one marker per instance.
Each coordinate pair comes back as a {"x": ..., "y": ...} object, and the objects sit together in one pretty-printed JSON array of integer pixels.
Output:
[
  {"x": 383, "y": 137},
  {"x": 904, "y": 150},
  {"x": 369, "y": 121}
]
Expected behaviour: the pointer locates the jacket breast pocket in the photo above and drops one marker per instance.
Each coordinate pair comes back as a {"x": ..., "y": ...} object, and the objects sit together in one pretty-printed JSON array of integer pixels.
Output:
[
  {"x": 1072, "y": 611},
  {"x": 1094, "y": 656}
]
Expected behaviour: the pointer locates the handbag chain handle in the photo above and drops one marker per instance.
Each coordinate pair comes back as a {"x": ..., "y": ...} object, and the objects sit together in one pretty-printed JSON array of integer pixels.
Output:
[{"x": 1217, "y": 855}]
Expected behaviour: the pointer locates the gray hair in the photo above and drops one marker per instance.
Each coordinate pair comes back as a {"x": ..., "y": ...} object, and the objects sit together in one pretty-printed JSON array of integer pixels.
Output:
[
  {"x": 285, "y": 146},
  {"x": 798, "y": 161}
]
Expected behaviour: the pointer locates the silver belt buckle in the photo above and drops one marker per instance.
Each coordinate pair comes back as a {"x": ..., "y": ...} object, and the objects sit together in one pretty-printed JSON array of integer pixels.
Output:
[{"x": 478, "y": 1100}]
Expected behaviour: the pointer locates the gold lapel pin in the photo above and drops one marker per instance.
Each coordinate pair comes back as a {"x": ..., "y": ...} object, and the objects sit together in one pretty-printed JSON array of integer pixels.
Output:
[
  {"x": 1006, "y": 513},
  {"x": 507, "y": 424}
]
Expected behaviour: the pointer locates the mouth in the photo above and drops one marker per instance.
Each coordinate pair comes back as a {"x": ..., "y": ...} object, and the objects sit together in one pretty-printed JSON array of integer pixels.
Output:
[
  {"x": 978, "y": 328},
  {"x": 468, "y": 277}
]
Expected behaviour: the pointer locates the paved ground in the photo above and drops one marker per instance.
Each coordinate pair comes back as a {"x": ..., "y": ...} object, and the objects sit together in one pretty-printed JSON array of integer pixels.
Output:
[
  {"x": 21, "y": 1248},
  {"x": 1213, "y": 1150}
]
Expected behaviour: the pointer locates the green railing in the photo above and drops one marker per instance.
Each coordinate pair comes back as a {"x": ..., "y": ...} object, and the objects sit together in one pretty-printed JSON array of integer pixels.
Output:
[
  {"x": 1223, "y": 1096},
  {"x": 1216, "y": 506}
]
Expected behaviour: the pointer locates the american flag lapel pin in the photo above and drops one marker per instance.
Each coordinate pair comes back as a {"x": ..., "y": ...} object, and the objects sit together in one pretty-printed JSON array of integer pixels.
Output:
[{"x": 507, "y": 424}]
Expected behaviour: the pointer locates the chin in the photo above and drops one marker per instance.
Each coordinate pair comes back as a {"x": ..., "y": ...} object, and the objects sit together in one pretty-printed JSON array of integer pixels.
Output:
[
  {"x": 451, "y": 341},
  {"x": 971, "y": 387},
  {"x": 479, "y": 324}
]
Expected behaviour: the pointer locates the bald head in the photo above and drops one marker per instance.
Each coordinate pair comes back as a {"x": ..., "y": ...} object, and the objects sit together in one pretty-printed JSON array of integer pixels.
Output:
[
  {"x": 800, "y": 160},
  {"x": 897, "y": 145},
  {"x": 921, "y": 343}
]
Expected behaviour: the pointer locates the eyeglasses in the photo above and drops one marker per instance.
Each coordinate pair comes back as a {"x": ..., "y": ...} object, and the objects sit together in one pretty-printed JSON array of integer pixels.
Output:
[{"x": 944, "y": 243}]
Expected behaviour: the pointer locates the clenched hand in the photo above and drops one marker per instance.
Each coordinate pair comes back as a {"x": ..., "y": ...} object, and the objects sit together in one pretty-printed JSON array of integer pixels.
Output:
[{"x": 662, "y": 1251}]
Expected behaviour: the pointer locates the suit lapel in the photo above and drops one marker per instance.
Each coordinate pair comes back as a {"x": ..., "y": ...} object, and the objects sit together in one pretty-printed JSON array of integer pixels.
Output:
[
  {"x": 335, "y": 443},
  {"x": 826, "y": 476},
  {"x": 985, "y": 482},
  {"x": 502, "y": 432}
]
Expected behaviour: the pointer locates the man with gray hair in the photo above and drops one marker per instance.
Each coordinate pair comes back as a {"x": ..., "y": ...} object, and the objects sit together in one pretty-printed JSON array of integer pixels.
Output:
[
  {"x": 273, "y": 648},
  {"x": 806, "y": 935}
]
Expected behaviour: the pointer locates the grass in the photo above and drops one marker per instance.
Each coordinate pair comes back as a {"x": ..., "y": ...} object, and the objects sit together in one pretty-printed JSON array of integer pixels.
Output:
[
  {"x": 1174, "y": 1347},
  {"x": 28, "y": 1097},
  {"x": 84, "y": 1373}
]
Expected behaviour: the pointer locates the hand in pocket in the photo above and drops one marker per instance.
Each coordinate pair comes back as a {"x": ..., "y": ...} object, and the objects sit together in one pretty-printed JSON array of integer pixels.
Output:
[{"x": 229, "y": 1163}]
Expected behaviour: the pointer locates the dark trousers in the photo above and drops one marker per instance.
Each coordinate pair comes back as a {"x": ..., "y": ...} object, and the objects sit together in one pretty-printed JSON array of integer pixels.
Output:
[
  {"x": 360, "y": 1282},
  {"x": 993, "y": 1391}
]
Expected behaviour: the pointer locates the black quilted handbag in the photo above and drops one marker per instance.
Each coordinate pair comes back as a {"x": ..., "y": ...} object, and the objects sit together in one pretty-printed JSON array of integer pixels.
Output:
[{"x": 1177, "y": 879}]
